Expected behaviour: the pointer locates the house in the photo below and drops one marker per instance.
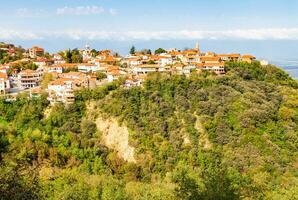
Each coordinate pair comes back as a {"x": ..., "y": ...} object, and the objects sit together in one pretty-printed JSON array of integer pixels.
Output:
[
  {"x": 59, "y": 68},
  {"x": 35, "y": 52},
  {"x": 248, "y": 58},
  {"x": 113, "y": 75},
  {"x": 264, "y": 62},
  {"x": 61, "y": 90},
  {"x": 177, "y": 68},
  {"x": 145, "y": 69},
  {"x": 13, "y": 78},
  {"x": 29, "y": 79},
  {"x": 133, "y": 61},
  {"x": 176, "y": 56},
  {"x": 4, "y": 83},
  {"x": 58, "y": 59},
  {"x": 35, "y": 92},
  {"x": 191, "y": 59},
  {"x": 87, "y": 67},
  {"x": 114, "y": 72},
  {"x": 55, "y": 68},
  {"x": 234, "y": 57},
  {"x": 41, "y": 62},
  {"x": 81, "y": 78},
  {"x": 210, "y": 59},
  {"x": 106, "y": 57},
  {"x": 217, "y": 68},
  {"x": 135, "y": 80},
  {"x": 164, "y": 60}
]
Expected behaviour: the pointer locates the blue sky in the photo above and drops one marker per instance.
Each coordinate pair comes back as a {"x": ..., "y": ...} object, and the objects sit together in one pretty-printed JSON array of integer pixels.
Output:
[{"x": 261, "y": 27}]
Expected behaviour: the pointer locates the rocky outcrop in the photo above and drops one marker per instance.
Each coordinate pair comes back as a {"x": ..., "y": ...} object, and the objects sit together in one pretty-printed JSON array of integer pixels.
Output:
[{"x": 115, "y": 137}]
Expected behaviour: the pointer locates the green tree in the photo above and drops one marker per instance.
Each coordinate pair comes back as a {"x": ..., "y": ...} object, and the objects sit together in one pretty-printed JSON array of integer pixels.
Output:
[
  {"x": 100, "y": 75},
  {"x": 159, "y": 51},
  {"x": 132, "y": 50}
]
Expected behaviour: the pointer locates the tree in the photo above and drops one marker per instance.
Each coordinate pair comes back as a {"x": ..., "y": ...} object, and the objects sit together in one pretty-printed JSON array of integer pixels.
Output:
[
  {"x": 132, "y": 50},
  {"x": 100, "y": 75},
  {"x": 160, "y": 50},
  {"x": 94, "y": 52},
  {"x": 18, "y": 182},
  {"x": 146, "y": 51},
  {"x": 47, "y": 78},
  {"x": 68, "y": 56},
  {"x": 76, "y": 56},
  {"x": 151, "y": 62}
]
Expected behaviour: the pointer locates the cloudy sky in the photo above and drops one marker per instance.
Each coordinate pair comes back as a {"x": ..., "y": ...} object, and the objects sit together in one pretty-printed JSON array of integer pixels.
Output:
[{"x": 267, "y": 28}]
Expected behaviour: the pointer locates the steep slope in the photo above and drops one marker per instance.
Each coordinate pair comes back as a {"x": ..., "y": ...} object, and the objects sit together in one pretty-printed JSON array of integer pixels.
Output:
[{"x": 198, "y": 137}]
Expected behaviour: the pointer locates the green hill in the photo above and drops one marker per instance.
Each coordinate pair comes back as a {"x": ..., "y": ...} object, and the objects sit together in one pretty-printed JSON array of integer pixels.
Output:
[{"x": 197, "y": 137}]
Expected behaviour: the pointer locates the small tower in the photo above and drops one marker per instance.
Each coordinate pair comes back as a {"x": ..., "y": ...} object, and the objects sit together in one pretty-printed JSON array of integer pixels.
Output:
[{"x": 197, "y": 46}]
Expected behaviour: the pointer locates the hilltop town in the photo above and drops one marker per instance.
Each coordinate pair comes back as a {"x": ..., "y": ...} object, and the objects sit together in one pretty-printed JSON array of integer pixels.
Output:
[{"x": 60, "y": 74}]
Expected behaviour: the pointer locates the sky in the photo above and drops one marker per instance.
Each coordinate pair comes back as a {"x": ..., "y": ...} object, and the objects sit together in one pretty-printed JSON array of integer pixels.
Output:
[{"x": 265, "y": 28}]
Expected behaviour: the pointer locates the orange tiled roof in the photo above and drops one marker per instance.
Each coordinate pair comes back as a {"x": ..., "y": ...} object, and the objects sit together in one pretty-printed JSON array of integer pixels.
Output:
[
  {"x": 36, "y": 48},
  {"x": 86, "y": 64},
  {"x": 221, "y": 64},
  {"x": 133, "y": 59},
  {"x": 3, "y": 76},
  {"x": 163, "y": 57},
  {"x": 73, "y": 74},
  {"x": 149, "y": 66},
  {"x": 207, "y": 58},
  {"x": 248, "y": 56},
  {"x": 27, "y": 71},
  {"x": 175, "y": 53},
  {"x": 232, "y": 55},
  {"x": 112, "y": 67},
  {"x": 61, "y": 81},
  {"x": 67, "y": 65},
  {"x": 114, "y": 72},
  {"x": 42, "y": 59}
]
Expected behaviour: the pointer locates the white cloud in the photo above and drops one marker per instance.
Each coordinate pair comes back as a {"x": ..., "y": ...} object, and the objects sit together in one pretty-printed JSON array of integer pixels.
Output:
[
  {"x": 80, "y": 10},
  {"x": 19, "y": 35},
  {"x": 26, "y": 12},
  {"x": 22, "y": 11},
  {"x": 249, "y": 34},
  {"x": 113, "y": 11}
]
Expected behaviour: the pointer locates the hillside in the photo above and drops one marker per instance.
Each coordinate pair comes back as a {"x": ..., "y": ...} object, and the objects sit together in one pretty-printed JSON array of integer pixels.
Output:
[{"x": 199, "y": 137}]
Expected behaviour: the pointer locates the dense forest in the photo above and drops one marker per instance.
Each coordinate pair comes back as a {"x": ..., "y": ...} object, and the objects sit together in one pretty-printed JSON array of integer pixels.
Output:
[{"x": 199, "y": 137}]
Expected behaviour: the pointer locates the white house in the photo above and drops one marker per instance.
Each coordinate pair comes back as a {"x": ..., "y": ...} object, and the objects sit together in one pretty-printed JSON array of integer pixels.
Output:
[
  {"x": 87, "y": 67},
  {"x": 264, "y": 62},
  {"x": 55, "y": 68},
  {"x": 41, "y": 62},
  {"x": 164, "y": 60},
  {"x": 114, "y": 74},
  {"x": 58, "y": 59},
  {"x": 145, "y": 69},
  {"x": 61, "y": 90},
  {"x": 29, "y": 79},
  {"x": 217, "y": 68},
  {"x": 132, "y": 61}
]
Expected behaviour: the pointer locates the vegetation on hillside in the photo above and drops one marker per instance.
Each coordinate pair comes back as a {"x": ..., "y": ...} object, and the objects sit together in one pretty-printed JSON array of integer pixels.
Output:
[{"x": 199, "y": 137}]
